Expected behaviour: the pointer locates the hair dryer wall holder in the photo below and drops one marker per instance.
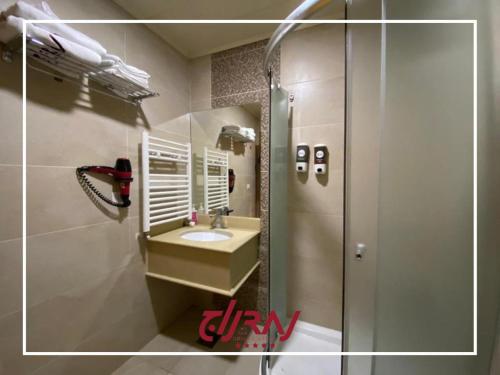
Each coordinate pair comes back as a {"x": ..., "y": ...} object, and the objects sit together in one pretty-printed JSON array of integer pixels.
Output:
[{"x": 122, "y": 174}]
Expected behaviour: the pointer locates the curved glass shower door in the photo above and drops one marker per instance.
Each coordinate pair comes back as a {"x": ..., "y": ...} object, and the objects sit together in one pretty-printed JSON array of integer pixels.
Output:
[
  {"x": 278, "y": 211},
  {"x": 409, "y": 197}
]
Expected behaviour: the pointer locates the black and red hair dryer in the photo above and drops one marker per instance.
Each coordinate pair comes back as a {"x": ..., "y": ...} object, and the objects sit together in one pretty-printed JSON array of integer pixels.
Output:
[{"x": 122, "y": 173}]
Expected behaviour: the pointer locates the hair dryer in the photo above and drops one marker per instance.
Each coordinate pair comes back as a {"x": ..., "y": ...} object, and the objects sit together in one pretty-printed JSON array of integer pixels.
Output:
[{"x": 122, "y": 173}]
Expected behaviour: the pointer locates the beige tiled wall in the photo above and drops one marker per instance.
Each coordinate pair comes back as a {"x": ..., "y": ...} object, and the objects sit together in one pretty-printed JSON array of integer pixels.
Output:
[
  {"x": 201, "y": 84},
  {"x": 86, "y": 289},
  {"x": 312, "y": 69}
]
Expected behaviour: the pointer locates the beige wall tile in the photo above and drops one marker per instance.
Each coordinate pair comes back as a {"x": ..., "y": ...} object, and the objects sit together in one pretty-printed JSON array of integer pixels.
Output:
[
  {"x": 60, "y": 261},
  {"x": 137, "y": 239},
  {"x": 11, "y": 109},
  {"x": 111, "y": 36},
  {"x": 90, "y": 9},
  {"x": 92, "y": 307},
  {"x": 201, "y": 75},
  {"x": 56, "y": 201},
  {"x": 130, "y": 333},
  {"x": 11, "y": 193},
  {"x": 179, "y": 126},
  {"x": 201, "y": 105},
  {"x": 317, "y": 297},
  {"x": 312, "y": 68},
  {"x": 97, "y": 308},
  {"x": 10, "y": 276},
  {"x": 169, "y": 69},
  {"x": 11, "y": 358},
  {"x": 315, "y": 264},
  {"x": 168, "y": 106},
  {"x": 318, "y": 238},
  {"x": 314, "y": 197},
  {"x": 317, "y": 102},
  {"x": 313, "y": 53},
  {"x": 72, "y": 139},
  {"x": 317, "y": 309}
]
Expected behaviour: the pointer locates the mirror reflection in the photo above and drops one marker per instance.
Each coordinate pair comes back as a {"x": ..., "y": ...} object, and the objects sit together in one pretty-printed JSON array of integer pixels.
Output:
[{"x": 226, "y": 159}]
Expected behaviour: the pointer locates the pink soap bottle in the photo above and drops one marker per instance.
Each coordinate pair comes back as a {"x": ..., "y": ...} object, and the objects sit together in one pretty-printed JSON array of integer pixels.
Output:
[{"x": 194, "y": 215}]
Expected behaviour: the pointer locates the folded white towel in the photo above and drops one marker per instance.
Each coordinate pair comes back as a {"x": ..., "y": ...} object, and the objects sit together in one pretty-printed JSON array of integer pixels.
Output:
[
  {"x": 114, "y": 65},
  {"x": 109, "y": 60},
  {"x": 24, "y": 10},
  {"x": 64, "y": 46},
  {"x": 239, "y": 133},
  {"x": 247, "y": 131},
  {"x": 12, "y": 27}
]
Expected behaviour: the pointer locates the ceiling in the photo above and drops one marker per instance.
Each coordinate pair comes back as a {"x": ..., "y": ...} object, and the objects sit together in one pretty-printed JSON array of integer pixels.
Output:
[{"x": 194, "y": 40}]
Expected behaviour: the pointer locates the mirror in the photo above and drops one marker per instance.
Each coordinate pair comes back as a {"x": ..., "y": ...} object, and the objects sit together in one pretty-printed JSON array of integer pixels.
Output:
[{"x": 226, "y": 159}]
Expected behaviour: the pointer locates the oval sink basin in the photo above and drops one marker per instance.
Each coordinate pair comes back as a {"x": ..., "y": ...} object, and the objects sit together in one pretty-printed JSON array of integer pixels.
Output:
[{"x": 206, "y": 236}]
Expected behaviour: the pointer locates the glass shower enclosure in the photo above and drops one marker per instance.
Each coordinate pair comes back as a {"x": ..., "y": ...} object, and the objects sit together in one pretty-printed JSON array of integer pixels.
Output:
[{"x": 409, "y": 194}]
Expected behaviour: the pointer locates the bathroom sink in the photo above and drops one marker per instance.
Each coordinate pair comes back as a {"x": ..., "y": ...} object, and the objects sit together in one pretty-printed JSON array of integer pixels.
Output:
[{"x": 206, "y": 235}]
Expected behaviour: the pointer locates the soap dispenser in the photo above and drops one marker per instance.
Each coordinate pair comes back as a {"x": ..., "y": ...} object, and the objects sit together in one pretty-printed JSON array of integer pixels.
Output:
[
  {"x": 320, "y": 158},
  {"x": 302, "y": 158}
]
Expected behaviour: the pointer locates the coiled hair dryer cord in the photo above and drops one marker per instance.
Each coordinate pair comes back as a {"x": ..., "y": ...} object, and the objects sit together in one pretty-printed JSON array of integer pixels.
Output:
[{"x": 122, "y": 173}]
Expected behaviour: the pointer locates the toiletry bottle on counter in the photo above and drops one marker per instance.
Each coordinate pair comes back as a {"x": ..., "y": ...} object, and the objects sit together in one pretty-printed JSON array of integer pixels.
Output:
[
  {"x": 201, "y": 209},
  {"x": 194, "y": 215}
]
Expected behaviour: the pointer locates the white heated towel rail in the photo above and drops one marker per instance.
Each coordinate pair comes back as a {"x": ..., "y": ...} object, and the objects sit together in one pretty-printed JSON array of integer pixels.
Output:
[
  {"x": 215, "y": 173},
  {"x": 166, "y": 168}
]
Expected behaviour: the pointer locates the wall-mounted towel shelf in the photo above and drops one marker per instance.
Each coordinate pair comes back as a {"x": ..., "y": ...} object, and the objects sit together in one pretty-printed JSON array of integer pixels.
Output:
[
  {"x": 77, "y": 72},
  {"x": 238, "y": 133}
]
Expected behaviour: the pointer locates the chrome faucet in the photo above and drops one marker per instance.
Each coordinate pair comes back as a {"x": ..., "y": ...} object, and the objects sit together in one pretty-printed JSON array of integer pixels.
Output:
[{"x": 218, "y": 221}]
